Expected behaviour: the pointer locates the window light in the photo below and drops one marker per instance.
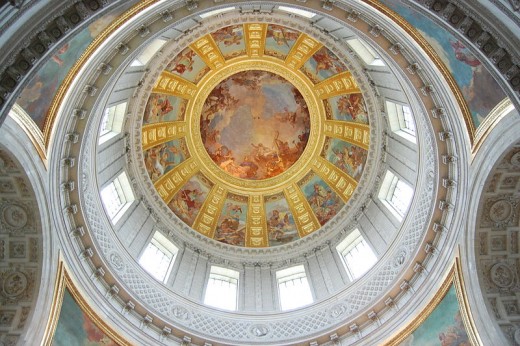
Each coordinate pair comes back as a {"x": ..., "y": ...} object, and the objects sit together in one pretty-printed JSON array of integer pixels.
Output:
[
  {"x": 396, "y": 195},
  {"x": 222, "y": 288},
  {"x": 300, "y": 12},
  {"x": 215, "y": 12},
  {"x": 401, "y": 120},
  {"x": 158, "y": 257},
  {"x": 148, "y": 52},
  {"x": 117, "y": 197},
  {"x": 356, "y": 254},
  {"x": 365, "y": 52},
  {"x": 112, "y": 122},
  {"x": 293, "y": 288}
]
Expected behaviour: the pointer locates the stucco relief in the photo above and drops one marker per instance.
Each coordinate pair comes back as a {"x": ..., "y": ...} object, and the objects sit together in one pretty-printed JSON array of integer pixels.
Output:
[
  {"x": 20, "y": 248},
  {"x": 16, "y": 285},
  {"x": 259, "y": 330},
  {"x": 503, "y": 275},
  {"x": 501, "y": 211},
  {"x": 498, "y": 246}
]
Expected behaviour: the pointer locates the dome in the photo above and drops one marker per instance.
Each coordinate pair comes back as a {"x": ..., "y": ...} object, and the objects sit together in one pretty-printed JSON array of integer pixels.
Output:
[
  {"x": 249, "y": 129},
  {"x": 262, "y": 173},
  {"x": 258, "y": 150}
]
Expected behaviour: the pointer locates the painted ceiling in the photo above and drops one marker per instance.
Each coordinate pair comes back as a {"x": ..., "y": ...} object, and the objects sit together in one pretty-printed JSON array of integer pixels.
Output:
[{"x": 255, "y": 135}]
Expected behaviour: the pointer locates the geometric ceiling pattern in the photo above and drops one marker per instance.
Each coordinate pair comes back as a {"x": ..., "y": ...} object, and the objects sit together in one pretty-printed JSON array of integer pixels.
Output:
[
  {"x": 20, "y": 249},
  {"x": 497, "y": 243},
  {"x": 255, "y": 135}
]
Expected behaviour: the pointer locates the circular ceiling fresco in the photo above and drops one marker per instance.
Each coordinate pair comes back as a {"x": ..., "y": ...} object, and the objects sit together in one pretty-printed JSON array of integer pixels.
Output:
[
  {"x": 255, "y": 125},
  {"x": 255, "y": 135}
]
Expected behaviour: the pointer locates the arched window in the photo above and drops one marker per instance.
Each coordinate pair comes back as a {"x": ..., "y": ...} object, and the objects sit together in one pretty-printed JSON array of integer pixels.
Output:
[{"x": 365, "y": 52}]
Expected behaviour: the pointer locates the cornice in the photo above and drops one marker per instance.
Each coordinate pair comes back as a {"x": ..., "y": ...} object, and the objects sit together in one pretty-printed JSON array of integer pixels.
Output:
[
  {"x": 425, "y": 234},
  {"x": 494, "y": 45}
]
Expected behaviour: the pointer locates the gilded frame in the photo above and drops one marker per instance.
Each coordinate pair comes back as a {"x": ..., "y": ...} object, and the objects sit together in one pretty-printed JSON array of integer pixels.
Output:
[
  {"x": 454, "y": 277},
  {"x": 65, "y": 281}
]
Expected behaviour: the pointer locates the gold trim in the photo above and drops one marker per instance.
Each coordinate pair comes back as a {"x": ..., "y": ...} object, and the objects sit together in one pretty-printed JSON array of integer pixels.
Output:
[
  {"x": 354, "y": 133},
  {"x": 293, "y": 173},
  {"x": 50, "y": 117},
  {"x": 490, "y": 122},
  {"x": 57, "y": 299},
  {"x": 304, "y": 217},
  {"x": 255, "y": 38},
  {"x": 32, "y": 131},
  {"x": 454, "y": 277},
  {"x": 256, "y": 231},
  {"x": 206, "y": 221},
  {"x": 158, "y": 133},
  {"x": 171, "y": 84},
  {"x": 342, "y": 83},
  {"x": 209, "y": 52},
  {"x": 170, "y": 183},
  {"x": 65, "y": 281},
  {"x": 304, "y": 47},
  {"x": 342, "y": 183}
]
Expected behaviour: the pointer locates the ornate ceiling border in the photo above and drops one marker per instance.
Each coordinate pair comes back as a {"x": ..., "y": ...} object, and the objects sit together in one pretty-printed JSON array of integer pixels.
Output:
[
  {"x": 491, "y": 121},
  {"x": 53, "y": 110},
  {"x": 437, "y": 61},
  {"x": 429, "y": 228},
  {"x": 33, "y": 132},
  {"x": 63, "y": 282},
  {"x": 453, "y": 277}
]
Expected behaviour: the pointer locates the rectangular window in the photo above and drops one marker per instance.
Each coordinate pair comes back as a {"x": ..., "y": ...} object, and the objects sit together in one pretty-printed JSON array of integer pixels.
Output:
[
  {"x": 298, "y": 11},
  {"x": 401, "y": 120},
  {"x": 148, "y": 52},
  {"x": 222, "y": 288},
  {"x": 215, "y": 12},
  {"x": 293, "y": 288},
  {"x": 396, "y": 195},
  {"x": 112, "y": 122},
  {"x": 356, "y": 254},
  {"x": 365, "y": 52},
  {"x": 158, "y": 257},
  {"x": 117, "y": 197}
]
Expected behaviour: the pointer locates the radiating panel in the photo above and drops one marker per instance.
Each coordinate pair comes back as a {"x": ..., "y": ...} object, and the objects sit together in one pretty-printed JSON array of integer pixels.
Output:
[
  {"x": 355, "y": 133},
  {"x": 323, "y": 200},
  {"x": 342, "y": 83},
  {"x": 302, "y": 50},
  {"x": 170, "y": 183},
  {"x": 188, "y": 65},
  {"x": 281, "y": 227},
  {"x": 343, "y": 184},
  {"x": 206, "y": 221},
  {"x": 304, "y": 217},
  {"x": 171, "y": 84},
  {"x": 208, "y": 50},
  {"x": 256, "y": 235},
  {"x": 158, "y": 133},
  {"x": 230, "y": 41},
  {"x": 255, "y": 38},
  {"x": 188, "y": 201},
  {"x": 232, "y": 222}
]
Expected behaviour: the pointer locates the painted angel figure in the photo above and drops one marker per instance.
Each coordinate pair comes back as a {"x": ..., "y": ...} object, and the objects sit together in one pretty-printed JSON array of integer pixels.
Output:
[{"x": 463, "y": 54}]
